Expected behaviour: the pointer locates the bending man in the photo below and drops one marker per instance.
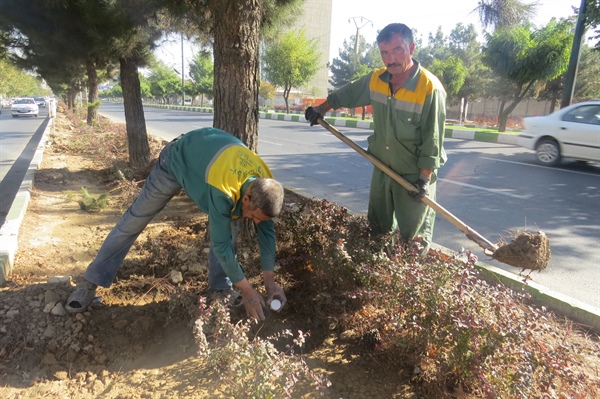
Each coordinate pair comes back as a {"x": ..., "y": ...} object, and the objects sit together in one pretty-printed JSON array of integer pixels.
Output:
[{"x": 227, "y": 181}]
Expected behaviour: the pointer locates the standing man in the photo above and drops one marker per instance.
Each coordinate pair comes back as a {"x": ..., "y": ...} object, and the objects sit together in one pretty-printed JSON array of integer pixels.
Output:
[
  {"x": 409, "y": 114},
  {"x": 227, "y": 181}
]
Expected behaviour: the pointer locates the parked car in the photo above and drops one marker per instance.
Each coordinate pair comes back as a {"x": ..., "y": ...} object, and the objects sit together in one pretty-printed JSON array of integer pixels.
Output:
[
  {"x": 571, "y": 132},
  {"x": 24, "y": 106},
  {"x": 40, "y": 101}
]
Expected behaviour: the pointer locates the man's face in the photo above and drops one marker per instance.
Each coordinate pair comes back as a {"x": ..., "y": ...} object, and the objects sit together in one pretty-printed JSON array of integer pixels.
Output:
[
  {"x": 250, "y": 212},
  {"x": 396, "y": 54}
]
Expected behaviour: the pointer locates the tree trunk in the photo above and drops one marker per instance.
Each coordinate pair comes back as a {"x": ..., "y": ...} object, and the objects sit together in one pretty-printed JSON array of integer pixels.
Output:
[
  {"x": 286, "y": 97},
  {"x": 505, "y": 112},
  {"x": 502, "y": 117},
  {"x": 92, "y": 110},
  {"x": 135, "y": 122},
  {"x": 236, "y": 83}
]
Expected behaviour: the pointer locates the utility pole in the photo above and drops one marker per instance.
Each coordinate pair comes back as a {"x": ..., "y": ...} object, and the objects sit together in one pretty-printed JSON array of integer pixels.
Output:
[
  {"x": 182, "y": 69},
  {"x": 364, "y": 21},
  {"x": 571, "y": 75}
]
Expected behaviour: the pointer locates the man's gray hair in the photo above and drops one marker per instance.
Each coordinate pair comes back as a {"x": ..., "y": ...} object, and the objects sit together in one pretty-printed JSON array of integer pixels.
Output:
[
  {"x": 267, "y": 195},
  {"x": 386, "y": 34}
]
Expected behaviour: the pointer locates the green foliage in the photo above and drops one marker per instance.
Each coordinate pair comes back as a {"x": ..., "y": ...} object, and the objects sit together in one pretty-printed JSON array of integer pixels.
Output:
[
  {"x": 267, "y": 90},
  {"x": 90, "y": 203},
  {"x": 504, "y": 14},
  {"x": 593, "y": 20},
  {"x": 163, "y": 81},
  {"x": 452, "y": 72},
  {"x": 438, "y": 321},
  {"x": 202, "y": 74},
  {"x": 16, "y": 82},
  {"x": 354, "y": 62},
  {"x": 520, "y": 57},
  {"x": 291, "y": 62}
]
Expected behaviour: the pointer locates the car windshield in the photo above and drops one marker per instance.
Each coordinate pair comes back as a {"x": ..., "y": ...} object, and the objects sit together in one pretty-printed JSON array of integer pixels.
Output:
[{"x": 24, "y": 101}]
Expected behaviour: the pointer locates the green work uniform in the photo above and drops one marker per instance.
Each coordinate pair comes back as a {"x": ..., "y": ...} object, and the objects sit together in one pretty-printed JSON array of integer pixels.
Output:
[
  {"x": 215, "y": 169},
  {"x": 408, "y": 136}
]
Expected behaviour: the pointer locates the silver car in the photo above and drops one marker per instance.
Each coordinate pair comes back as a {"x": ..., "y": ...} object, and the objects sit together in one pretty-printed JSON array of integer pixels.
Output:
[
  {"x": 571, "y": 132},
  {"x": 24, "y": 106}
]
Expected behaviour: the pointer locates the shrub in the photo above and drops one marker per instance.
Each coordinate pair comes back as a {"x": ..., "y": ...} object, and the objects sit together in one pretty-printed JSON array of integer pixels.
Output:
[
  {"x": 440, "y": 324},
  {"x": 249, "y": 368}
]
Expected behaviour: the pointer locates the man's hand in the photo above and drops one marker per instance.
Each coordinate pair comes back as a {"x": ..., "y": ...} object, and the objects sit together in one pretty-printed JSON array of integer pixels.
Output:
[
  {"x": 312, "y": 114},
  {"x": 422, "y": 184},
  {"x": 253, "y": 302},
  {"x": 274, "y": 291}
]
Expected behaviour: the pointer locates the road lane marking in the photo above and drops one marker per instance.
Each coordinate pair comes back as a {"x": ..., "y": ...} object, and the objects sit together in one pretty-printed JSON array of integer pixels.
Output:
[
  {"x": 270, "y": 142},
  {"x": 491, "y": 190},
  {"x": 542, "y": 166}
]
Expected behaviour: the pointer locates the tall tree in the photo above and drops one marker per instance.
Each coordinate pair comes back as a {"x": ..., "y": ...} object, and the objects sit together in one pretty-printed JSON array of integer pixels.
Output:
[
  {"x": 588, "y": 84},
  {"x": 502, "y": 14},
  {"x": 234, "y": 27},
  {"x": 349, "y": 65},
  {"x": 291, "y": 62},
  {"x": 97, "y": 34},
  {"x": 202, "y": 74},
  {"x": 356, "y": 59},
  {"x": 163, "y": 82},
  {"x": 593, "y": 20},
  {"x": 521, "y": 58}
]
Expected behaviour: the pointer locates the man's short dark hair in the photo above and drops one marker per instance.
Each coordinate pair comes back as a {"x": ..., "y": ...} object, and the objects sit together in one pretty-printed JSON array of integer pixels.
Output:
[
  {"x": 386, "y": 34},
  {"x": 267, "y": 195}
]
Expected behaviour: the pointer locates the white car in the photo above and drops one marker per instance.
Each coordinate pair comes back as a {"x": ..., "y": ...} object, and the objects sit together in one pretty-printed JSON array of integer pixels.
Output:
[
  {"x": 571, "y": 132},
  {"x": 24, "y": 106}
]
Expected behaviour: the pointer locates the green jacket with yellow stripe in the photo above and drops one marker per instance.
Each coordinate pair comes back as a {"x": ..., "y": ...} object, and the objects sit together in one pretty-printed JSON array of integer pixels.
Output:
[
  {"x": 409, "y": 125},
  {"x": 215, "y": 169}
]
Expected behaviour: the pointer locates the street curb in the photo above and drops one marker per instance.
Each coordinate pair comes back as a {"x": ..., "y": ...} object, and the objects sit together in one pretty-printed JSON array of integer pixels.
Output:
[
  {"x": 574, "y": 309},
  {"x": 9, "y": 232},
  {"x": 477, "y": 135}
]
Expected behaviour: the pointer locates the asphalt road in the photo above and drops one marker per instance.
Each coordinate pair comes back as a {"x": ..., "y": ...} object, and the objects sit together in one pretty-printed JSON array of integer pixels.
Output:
[
  {"x": 19, "y": 138},
  {"x": 493, "y": 188}
]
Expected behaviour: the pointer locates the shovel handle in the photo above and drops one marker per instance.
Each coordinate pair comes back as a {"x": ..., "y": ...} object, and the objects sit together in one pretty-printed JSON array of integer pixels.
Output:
[{"x": 469, "y": 232}]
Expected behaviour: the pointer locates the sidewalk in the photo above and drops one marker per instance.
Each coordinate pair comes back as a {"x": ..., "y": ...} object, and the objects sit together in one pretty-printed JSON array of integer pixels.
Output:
[{"x": 575, "y": 310}]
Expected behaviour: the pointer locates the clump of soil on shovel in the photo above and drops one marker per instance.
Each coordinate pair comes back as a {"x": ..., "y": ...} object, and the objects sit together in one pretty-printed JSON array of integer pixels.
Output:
[{"x": 527, "y": 251}]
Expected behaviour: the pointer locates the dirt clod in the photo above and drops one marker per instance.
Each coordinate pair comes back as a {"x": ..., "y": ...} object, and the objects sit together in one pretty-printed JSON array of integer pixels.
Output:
[{"x": 527, "y": 250}]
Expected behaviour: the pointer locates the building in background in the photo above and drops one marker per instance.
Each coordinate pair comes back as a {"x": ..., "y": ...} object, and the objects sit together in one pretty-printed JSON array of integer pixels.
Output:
[{"x": 316, "y": 21}]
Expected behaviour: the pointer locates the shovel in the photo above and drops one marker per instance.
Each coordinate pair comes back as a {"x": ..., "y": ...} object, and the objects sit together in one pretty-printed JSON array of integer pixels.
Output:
[
  {"x": 527, "y": 250},
  {"x": 469, "y": 232}
]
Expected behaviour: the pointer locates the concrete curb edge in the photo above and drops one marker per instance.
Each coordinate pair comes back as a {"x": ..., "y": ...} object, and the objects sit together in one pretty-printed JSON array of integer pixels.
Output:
[{"x": 9, "y": 232}]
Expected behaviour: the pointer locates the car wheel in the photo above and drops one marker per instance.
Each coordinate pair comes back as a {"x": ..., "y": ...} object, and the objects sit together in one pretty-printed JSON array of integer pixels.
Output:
[
  {"x": 14, "y": 116},
  {"x": 547, "y": 152}
]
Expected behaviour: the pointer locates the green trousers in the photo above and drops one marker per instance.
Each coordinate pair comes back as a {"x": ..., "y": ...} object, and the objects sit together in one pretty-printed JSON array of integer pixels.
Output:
[{"x": 391, "y": 208}]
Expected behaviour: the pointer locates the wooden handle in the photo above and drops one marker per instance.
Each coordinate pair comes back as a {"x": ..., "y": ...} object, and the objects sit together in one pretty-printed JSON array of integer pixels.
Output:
[{"x": 470, "y": 233}]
